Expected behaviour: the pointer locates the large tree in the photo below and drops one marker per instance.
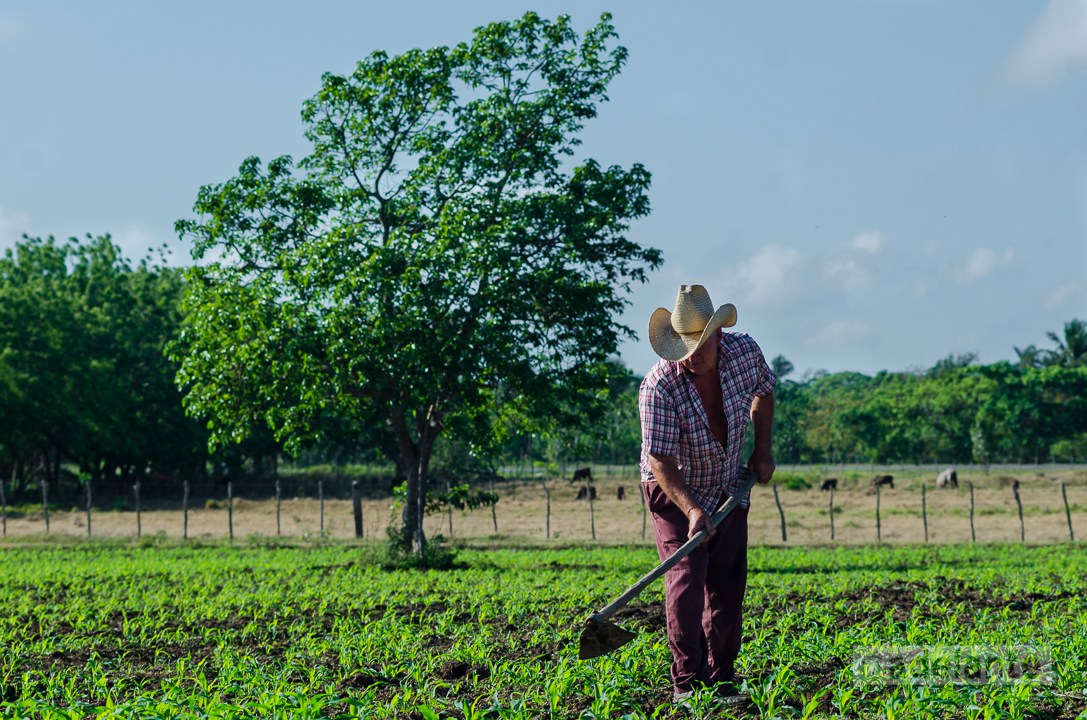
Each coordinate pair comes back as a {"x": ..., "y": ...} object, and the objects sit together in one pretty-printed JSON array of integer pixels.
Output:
[{"x": 437, "y": 261}]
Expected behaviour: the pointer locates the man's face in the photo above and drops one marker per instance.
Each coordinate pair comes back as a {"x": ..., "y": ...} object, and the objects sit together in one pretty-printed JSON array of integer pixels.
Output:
[{"x": 704, "y": 360}]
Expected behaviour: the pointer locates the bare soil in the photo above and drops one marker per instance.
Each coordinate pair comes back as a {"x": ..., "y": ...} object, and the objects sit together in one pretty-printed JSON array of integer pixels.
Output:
[{"x": 521, "y": 512}]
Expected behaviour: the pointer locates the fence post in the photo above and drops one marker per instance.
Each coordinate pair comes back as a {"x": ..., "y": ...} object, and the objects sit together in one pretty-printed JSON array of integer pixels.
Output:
[
  {"x": 973, "y": 535},
  {"x": 1019, "y": 503},
  {"x": 879, "y": 530},
  {"x": 136, "y": 490},
  {"x": 592, "y": 514},
  {"x": 641, "y": 491},
  {"x": 924, "y": 511},
  {"x": 449, "y": 507},
  {"x": 185, "y": 511},
  {"x": 279, "y": 497},
  {"x": 547, "y": 526},
  {"x": 784, "y": 537},
  {"x": 45, "y": 502},
  {"x": 321, "y": 498},
  {"x": 4, "y": 500},
  {"x": 494, "y": 514},
  {"x": 89, "y": 498},
  {"x": 1067, "y": 514},
  {"x": 356, "y": 506},
  {"x": 832, "y": 513},
  {"x": 230, "y": 507}
]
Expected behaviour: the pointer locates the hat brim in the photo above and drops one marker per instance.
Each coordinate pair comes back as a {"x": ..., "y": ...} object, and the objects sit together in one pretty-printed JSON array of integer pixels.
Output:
[{"x": 675, "y": 347}]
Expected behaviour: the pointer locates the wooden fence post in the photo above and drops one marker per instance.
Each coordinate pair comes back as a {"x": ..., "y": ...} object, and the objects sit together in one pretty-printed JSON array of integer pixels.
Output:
[
  {"x": 832, "y": 513},
  {"x": 973, "y": 535},
  {"x": 356, "y": 507},
  {"x": 784, "y": 537},
  {"x": 592, "y": 514},
  {"x": 449, "y": 507},
  {"x": 879, "y": 530},
  {"x": 45, "y": 502},
  {"x": 230, "y": 507},
  {"x": 279, "y": 498},
  {"x": 494, "y": 514},
  {"x": 641, "y": 491},
  {"x": 1019, "y": 503},
  {"x": 1067, "y": 514},
  {"x": 136, "y": 490},
  {"x": 547, "y": 526},
  {"x": 4, "y": 500},
  {"x": 89, "y": 498},
  {"x": 924, "y": 511},
  {"x": 185, "y": 511},
  {"x": 321, "y": 497}
]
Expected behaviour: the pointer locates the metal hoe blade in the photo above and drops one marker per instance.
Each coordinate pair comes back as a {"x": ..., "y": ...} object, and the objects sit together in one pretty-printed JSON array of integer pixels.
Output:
[{"x": 600, "y": 638}]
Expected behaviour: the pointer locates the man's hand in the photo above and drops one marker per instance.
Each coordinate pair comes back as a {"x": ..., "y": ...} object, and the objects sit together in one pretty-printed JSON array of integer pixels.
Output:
[
  {"x": 699, "y": 519},
  {"x": 762, "y": 462}
]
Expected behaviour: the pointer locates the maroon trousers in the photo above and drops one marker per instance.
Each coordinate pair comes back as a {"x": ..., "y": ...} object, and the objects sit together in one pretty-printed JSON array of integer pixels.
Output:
[{"x": 704, "y": 593}]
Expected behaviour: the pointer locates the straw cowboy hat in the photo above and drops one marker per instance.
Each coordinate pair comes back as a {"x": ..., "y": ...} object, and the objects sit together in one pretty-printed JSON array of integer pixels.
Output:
[{"x": 676, "y": 335}]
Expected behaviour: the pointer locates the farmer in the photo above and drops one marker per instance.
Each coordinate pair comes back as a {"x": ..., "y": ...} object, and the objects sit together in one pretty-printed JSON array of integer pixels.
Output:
[{"x": 694, "y": 406}]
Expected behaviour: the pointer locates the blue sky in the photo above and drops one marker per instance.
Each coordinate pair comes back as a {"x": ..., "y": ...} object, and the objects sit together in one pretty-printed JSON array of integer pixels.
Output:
[{"x": 873, "y": 184}]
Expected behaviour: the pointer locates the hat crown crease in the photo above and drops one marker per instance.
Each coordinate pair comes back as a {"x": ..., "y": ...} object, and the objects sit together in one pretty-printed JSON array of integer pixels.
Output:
[{"x": 693, "y": 310}]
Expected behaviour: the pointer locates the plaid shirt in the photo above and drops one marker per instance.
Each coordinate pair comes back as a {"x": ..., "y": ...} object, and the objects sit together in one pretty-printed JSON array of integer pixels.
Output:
[{"x": 674, "y": 421}]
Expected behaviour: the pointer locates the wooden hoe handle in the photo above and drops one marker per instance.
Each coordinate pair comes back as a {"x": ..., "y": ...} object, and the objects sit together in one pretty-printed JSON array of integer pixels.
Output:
[{"x": 634, "y": 590}]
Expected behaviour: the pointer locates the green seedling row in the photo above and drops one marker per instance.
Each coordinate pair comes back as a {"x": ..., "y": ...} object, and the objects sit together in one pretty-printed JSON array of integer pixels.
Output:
[{"x": 114, "y": 631}]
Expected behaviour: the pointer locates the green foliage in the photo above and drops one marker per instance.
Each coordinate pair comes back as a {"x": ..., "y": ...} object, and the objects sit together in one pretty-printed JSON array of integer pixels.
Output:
[
  {"x": 82, "y": 372},
  {"x": 433, "y": 261},
  {"x": 461, "y": 497},
  {"x": 792, "y": 482},
  {"x": 954, "y": 412},
  {"x": 437, "y": 555}
]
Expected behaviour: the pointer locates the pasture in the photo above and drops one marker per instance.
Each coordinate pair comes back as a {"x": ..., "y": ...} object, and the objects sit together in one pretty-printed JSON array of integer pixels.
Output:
[
  {"x": 522, "y": 511},
  {"x": 162, "y": 629}
]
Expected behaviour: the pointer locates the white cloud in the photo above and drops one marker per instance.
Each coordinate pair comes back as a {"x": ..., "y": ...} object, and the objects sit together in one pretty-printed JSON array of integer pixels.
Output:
[
  {"x": 1054, "y": 45},
  {"x": 768, "y": 277},
  {"x": 840, "y": 332},
  {"x": 845, "y": 273},
  {"x": 982, "y": 262},
  {"x": 1061, "y": 295},
  {"x": 872, "y": 241},
  {"x": 12, "y": 228}
]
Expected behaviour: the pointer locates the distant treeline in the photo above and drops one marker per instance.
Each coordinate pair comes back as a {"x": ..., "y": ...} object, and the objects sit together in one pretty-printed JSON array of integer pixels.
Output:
[{"x": 87, "y": 393}]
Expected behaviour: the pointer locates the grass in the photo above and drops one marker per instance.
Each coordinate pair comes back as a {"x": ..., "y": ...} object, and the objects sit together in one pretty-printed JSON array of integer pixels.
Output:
[{"x": 317, "y": 630}]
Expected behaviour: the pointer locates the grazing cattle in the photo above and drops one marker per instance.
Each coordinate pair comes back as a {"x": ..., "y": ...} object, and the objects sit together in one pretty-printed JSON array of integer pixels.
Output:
[
  {"x": 948, "y": 479},
  {"x": 586, "y": 491},
  {"x": 584, "y": 473},
  {"x": 887, "y": 480},
  {"x": 829, "y": 484},
  {"x": 620, "y": 493}
]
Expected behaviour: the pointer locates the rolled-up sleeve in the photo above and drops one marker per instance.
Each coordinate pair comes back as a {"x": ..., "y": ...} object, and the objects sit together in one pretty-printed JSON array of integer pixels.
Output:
[
  {"x": 660, "y": 421},
  {"x": 766, "y": 380}
]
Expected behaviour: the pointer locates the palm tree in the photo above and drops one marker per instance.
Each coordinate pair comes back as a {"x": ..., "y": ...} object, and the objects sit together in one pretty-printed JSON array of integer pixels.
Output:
[{"x": 1073, "y": 350}]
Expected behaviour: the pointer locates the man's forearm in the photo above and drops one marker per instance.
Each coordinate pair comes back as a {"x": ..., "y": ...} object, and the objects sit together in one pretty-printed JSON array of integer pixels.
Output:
[
  {"x": 670, "y": 479},
  {"x": 762, "y": 418}
]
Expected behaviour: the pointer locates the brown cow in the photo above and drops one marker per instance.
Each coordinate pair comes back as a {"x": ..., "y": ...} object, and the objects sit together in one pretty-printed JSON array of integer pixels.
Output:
[
  {"x": 620, "y": 493},
  {"x": 586, "y": 491},
  {"x": 887, "y": 480},
  {"x": 584, "y": 473}
]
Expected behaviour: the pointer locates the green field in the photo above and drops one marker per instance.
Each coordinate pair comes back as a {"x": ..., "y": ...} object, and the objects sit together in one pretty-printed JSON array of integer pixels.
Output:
[{"x": 319, "y": 631}]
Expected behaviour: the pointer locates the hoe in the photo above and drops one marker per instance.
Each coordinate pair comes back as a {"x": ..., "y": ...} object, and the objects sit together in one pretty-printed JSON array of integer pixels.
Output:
[{"x": 601, "y": 637}]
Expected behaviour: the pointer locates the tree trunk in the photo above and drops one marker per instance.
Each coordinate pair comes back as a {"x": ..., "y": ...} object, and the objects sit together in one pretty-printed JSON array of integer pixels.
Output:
[{"x": 416, "y": 456}]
